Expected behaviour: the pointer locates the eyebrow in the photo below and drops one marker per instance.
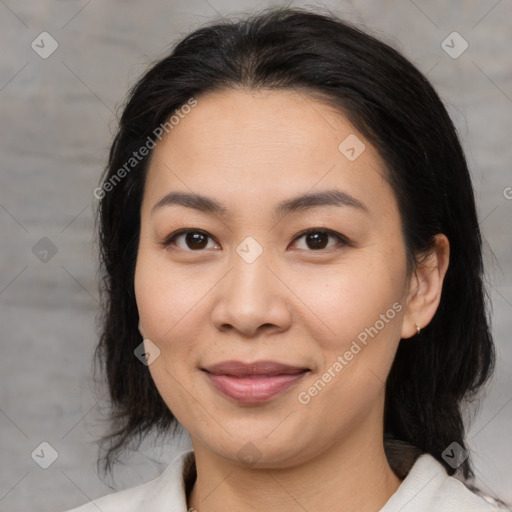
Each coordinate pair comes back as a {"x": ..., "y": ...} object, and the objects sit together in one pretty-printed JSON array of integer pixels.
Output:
[{"x": 303, "y": 202}]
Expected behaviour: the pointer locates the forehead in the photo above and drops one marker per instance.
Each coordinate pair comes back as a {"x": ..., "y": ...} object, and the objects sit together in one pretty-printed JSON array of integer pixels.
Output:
[
  {"x": 253, "y": 146},
  {"x": 270, "y": 120}
]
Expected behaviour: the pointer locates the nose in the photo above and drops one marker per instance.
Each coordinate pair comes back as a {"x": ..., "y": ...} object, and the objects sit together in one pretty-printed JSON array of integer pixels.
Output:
[{"x": 252, "y": 299}]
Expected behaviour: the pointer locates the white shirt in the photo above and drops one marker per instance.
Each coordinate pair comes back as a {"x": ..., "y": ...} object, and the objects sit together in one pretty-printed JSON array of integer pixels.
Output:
[{"x": 426, "y": 488}]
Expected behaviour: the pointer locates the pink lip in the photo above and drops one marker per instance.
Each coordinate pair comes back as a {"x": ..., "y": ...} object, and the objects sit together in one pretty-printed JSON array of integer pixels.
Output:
[{"x": 254, "y": 382}]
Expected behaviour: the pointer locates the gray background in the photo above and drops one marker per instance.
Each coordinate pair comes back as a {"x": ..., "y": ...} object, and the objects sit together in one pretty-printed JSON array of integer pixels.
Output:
[{"x": 58, "y": 118}]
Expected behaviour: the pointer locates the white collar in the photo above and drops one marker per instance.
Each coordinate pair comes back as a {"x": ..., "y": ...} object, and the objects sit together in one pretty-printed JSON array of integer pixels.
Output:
[{"x": 426, "y": 488}]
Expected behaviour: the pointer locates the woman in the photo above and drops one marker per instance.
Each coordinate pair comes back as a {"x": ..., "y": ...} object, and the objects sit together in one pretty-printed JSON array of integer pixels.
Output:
[{"x": 293, "y": 271}]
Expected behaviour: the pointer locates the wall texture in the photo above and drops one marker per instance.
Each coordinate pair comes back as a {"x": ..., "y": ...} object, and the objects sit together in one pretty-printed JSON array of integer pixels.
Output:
[{"x": 57, "y": 120}]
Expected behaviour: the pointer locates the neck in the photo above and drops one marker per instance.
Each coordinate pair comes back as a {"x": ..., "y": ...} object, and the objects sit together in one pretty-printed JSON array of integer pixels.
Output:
[{"x": 353, "y": 476}]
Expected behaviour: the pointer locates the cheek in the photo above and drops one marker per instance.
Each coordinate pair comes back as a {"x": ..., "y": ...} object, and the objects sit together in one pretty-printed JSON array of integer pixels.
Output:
[
  {"x": 163, "y": 305},
  {"x": 350, "y": 297},
  {"x": 150, "y": 295},
  {"x": 165, "y": 297}
]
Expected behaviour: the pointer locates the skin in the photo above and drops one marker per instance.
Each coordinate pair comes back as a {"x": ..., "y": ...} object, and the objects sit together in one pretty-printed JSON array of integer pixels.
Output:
[{"x": 295, "y": 303}]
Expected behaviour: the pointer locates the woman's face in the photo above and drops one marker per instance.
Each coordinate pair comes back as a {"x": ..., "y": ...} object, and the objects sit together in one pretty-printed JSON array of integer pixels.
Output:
[{"x": 247, "y": 285}]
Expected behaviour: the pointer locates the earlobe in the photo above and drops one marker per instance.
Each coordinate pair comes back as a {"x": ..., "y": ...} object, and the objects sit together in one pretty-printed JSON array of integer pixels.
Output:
[
  {"x": 426, "y": 287},
  {"x": 141, "y": 330}
]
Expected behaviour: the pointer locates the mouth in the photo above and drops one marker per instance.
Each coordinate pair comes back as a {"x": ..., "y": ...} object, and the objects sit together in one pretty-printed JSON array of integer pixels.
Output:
[{"x": 253, "y": 383}]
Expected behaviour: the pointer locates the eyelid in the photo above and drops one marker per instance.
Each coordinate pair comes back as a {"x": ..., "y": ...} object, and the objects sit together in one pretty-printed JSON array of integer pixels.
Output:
[
  {"x": 342, "y": 240},
  {"x": 168, "y": 240}
]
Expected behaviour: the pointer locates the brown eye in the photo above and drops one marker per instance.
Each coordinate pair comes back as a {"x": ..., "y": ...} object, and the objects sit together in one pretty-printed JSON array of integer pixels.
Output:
[
  {"x": 318, "y": 239},
  {"x": 194, "y": 240},
  {"x": 197, "y": 240}
]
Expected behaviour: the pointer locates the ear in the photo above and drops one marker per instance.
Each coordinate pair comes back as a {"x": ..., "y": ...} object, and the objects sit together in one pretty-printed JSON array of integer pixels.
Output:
[{"x": 425, "y": 287}]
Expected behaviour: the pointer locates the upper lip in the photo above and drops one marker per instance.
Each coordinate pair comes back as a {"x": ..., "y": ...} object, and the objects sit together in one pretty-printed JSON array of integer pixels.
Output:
[{"x": 241, "y": 369}]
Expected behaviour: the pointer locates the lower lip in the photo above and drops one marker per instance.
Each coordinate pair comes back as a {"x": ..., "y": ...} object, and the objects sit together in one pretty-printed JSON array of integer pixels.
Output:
[{"x": 255, "y": 389}]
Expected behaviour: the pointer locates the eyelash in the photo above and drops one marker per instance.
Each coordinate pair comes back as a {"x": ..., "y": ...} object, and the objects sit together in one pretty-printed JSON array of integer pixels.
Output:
[{"x": 342, "y": 240}]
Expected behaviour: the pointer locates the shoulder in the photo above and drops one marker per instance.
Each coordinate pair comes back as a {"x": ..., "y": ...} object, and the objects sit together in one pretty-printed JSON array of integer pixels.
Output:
[
  {"x": 155, "y": 495},
  {"x": 428, "y": 488}
]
